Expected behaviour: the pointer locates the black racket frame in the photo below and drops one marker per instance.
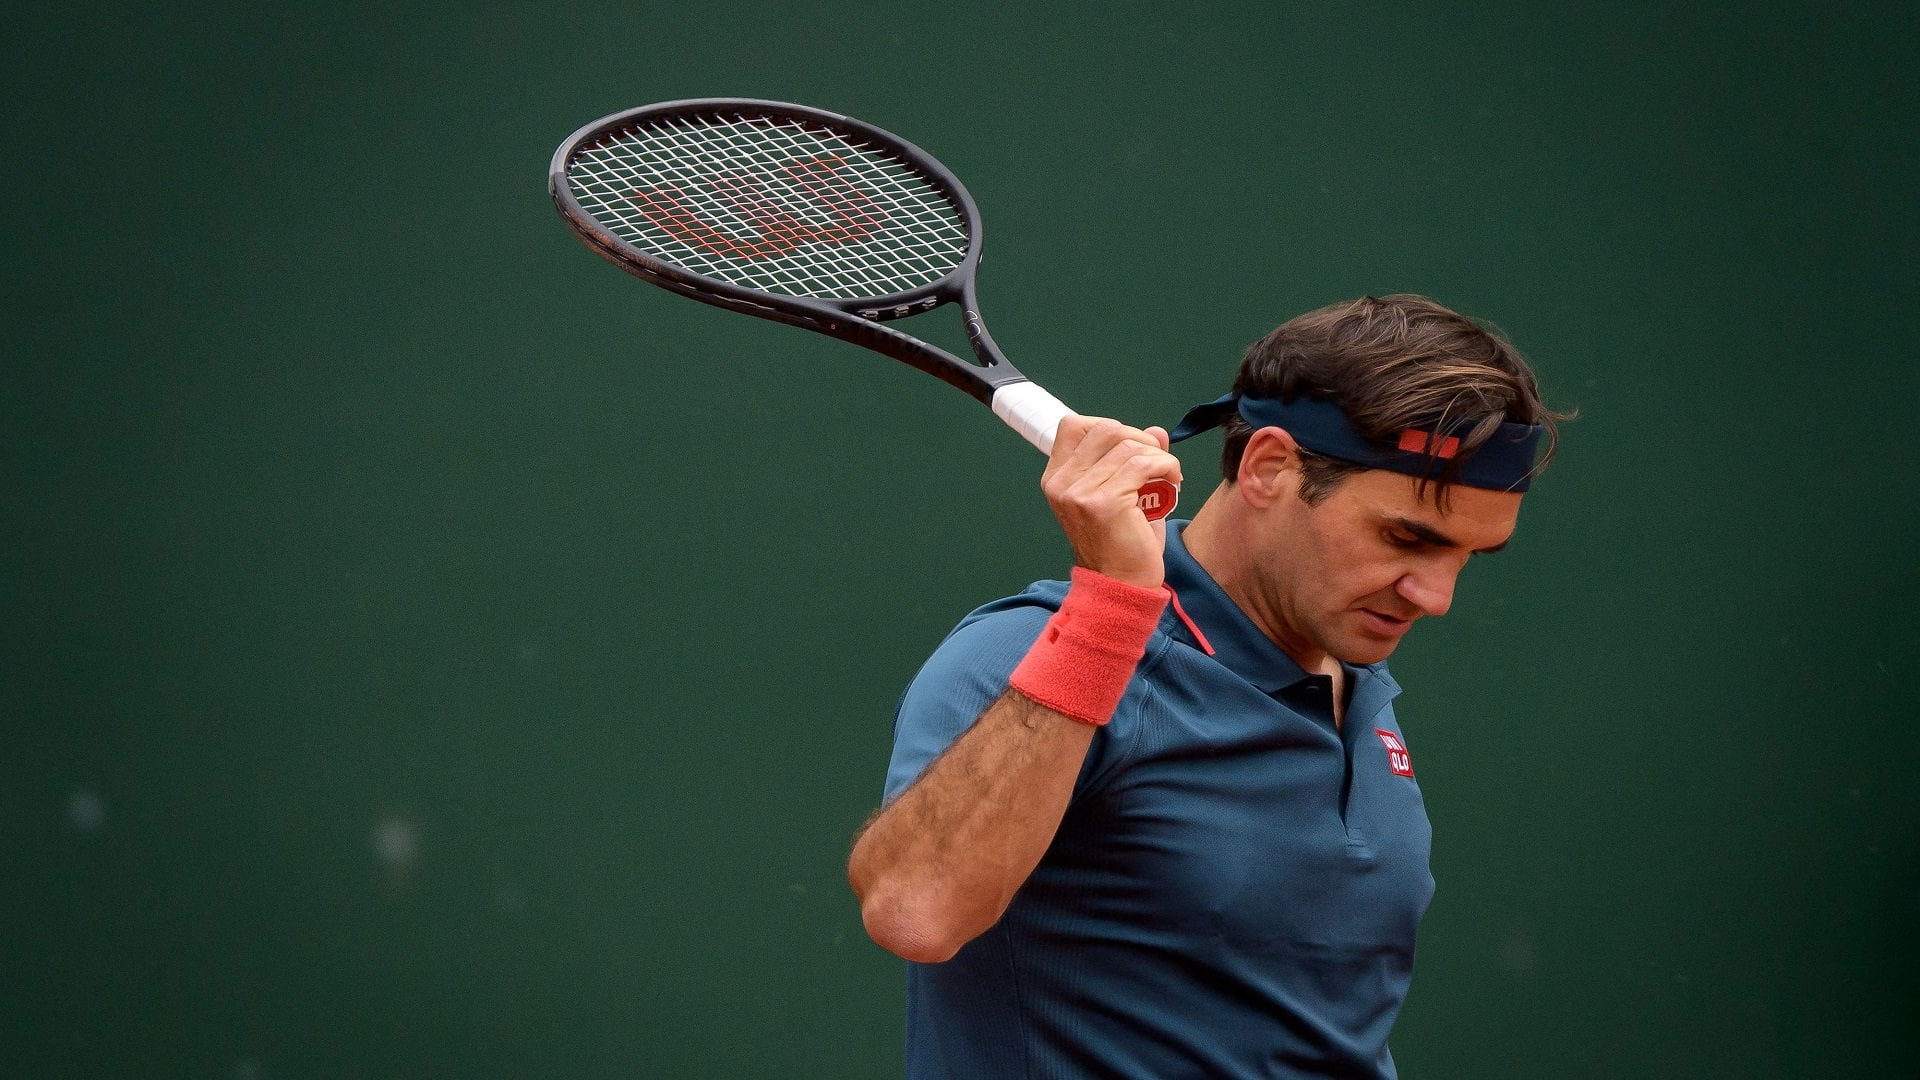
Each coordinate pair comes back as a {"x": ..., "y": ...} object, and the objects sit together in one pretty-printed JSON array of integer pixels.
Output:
[{"x": 858, "y": 320}]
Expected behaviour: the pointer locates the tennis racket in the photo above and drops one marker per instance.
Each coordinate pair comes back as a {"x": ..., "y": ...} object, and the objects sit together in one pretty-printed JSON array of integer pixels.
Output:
[{"x": 803, "y": 217}]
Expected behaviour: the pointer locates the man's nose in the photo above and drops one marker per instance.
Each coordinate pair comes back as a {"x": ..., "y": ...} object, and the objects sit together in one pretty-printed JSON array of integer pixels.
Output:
[{"x": 1429, "y": 590}]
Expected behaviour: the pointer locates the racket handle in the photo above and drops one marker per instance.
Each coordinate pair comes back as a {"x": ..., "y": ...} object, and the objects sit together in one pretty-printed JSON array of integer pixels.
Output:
[
  {"x": 1031, "y": 411},
  {"x": 1036, "y": 415}
]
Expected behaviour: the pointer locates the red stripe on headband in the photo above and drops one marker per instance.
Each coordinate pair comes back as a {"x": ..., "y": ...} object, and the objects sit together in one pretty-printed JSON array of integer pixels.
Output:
[{"x": 1415, "y": 442}]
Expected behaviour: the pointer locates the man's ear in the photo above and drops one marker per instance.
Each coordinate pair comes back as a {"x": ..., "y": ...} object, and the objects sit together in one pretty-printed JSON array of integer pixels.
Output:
[{"x": 1269, "y": 468}]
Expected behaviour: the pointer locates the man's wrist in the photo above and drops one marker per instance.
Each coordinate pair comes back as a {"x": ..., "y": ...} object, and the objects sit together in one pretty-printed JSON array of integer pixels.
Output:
[{"x": 1086, "y": 654}]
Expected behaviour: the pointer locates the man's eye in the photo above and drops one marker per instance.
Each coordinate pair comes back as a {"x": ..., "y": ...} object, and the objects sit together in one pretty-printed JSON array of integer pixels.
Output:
[{"x": 1401, "y": 541}]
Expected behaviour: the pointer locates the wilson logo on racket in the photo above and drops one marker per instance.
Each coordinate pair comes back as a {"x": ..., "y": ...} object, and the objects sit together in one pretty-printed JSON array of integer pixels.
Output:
[
  {"x": 1157, "y": 498},
  {"x": 781, "y": 227}
]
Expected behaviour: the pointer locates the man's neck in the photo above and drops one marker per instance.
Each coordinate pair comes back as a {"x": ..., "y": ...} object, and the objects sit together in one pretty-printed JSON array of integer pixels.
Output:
[{"x": 1215, "y": 539}]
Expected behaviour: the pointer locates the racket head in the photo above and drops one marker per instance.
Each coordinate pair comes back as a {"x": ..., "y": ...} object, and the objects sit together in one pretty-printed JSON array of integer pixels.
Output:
[{"x": 771, "y": 208}]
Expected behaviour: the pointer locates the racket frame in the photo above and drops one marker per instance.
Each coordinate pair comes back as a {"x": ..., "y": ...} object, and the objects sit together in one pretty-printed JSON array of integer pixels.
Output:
[{"x": 858, "y": 320}]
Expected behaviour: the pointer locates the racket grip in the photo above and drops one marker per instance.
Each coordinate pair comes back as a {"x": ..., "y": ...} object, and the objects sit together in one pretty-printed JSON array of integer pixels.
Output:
[
  {"x": 1031, "y": 411},
  {"x": 1036, "y": 415}
]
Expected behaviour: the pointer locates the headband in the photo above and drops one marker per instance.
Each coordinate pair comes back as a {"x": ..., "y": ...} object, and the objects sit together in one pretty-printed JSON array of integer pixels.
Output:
[{"x": 1502, "y": 463}]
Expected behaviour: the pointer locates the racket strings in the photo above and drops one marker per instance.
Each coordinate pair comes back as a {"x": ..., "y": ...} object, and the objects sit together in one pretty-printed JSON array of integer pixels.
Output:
[
  {"x": 753, "y": 207},
  {"x": 771, "y": 204}
]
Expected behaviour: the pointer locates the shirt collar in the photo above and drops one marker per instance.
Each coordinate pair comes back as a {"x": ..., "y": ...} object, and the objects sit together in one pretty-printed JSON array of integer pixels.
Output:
[{"x": 1236, "y": 641}]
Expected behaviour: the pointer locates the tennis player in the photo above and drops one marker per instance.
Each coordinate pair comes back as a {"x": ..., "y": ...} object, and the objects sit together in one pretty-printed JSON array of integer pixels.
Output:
[{"x": 1160, "y": 820}]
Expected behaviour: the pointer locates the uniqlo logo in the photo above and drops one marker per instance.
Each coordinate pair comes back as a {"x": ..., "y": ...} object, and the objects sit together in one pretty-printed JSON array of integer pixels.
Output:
[{"x": 1397, "y": 757}]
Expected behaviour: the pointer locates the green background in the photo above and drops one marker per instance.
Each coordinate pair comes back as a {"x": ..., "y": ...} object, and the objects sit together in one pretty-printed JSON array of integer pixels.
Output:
[{"x": 429, "y": 652}]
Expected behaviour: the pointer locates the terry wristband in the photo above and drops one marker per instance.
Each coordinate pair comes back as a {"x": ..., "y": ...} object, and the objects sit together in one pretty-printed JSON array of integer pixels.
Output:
[{"x": 1085, "y": 656}]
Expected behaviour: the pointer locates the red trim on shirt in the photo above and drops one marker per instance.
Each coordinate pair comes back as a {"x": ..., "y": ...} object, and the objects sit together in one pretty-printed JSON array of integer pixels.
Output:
[{"x": 1182, "y": 612}]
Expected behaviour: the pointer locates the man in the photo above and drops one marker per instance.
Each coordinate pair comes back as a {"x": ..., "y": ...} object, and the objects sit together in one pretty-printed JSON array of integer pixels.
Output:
[{"x": 1162, "y": 822}]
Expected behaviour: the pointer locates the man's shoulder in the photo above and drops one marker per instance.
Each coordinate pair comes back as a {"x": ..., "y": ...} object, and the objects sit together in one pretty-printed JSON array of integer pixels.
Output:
[
  {"x": 988, "y": 641},
  {"x": 1037, "y": 601}
]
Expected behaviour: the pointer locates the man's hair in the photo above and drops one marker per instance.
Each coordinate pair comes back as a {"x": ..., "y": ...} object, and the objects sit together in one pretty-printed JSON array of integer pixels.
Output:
[{"x": 1391, "y": 363}]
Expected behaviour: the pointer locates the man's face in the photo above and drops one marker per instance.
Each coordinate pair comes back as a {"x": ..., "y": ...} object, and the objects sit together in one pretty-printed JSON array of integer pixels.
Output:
[{"x": 1352, "y": 572}]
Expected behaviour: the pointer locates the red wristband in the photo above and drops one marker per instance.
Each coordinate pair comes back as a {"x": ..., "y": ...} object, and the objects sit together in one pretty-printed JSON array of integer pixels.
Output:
[{"x": 1085, "y": 656}]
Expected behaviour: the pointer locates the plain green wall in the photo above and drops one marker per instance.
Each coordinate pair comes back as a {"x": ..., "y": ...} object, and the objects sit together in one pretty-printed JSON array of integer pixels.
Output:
[{"x": 431, "y": 653}]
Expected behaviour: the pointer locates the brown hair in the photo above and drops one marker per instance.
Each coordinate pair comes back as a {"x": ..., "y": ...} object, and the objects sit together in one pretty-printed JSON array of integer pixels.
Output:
[{"x": 1391, "y": 363}]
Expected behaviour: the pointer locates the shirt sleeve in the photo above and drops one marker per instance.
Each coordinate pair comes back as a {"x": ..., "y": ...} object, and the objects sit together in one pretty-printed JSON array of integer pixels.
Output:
[{"x": 967, "y": 673}]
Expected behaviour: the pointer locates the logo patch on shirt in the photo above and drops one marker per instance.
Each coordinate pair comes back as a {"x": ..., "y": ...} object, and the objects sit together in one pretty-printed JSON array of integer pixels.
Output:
[{"x": 1397, "y": 758}]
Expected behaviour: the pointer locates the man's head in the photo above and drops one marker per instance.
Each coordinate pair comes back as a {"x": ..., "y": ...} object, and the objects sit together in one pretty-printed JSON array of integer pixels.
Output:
[
  {"x": 1391, "y": 364},
  {"x": 1337, "y": 557}
]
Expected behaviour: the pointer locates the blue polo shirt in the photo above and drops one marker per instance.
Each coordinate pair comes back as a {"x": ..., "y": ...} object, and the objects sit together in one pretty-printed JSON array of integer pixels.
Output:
[{"x": 1234, "y": 890}]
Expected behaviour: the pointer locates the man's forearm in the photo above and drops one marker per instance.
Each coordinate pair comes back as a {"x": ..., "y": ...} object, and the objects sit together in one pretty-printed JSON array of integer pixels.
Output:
[{"x": 938, "y": 865}]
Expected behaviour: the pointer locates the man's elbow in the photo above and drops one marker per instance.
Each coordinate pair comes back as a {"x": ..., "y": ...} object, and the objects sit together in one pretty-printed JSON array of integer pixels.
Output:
[{"x": 917, "y": 932}]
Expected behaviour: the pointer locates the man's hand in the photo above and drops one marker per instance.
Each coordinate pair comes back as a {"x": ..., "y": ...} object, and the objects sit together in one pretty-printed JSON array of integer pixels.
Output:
[{"x": 1093, "y": 480}]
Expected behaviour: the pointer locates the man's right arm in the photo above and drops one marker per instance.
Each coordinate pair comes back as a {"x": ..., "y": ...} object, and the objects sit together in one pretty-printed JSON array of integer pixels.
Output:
[{"x": 938, "y": 865}]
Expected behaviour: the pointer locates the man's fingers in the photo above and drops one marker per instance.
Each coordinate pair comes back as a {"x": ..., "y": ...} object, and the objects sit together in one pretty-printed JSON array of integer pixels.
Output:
[
  {"x": 1116, "y": 477},
  {"x": 1083, "y": 441},
  {"x": 1093, "y": 481}
]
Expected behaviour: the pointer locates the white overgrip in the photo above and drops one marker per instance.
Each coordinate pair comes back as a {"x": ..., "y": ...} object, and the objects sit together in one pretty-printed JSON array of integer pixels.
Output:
[
  {"x": 1036, "y": 414},
  {"x": 1031, "y": 411}
]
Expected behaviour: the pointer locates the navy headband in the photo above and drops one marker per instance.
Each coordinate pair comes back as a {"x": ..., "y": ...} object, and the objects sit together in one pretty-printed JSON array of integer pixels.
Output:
[{"x": 1502, "y": 463}]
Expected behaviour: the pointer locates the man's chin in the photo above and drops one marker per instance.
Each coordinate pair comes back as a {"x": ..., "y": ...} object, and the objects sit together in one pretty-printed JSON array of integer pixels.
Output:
[
  {"x": 1365, "y": 649},
  {"x": 1368, "y": 637}
]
